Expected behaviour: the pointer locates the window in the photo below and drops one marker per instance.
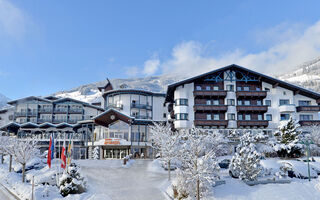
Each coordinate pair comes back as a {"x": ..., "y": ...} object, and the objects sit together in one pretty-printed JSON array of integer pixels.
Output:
[
  {"x": 164, "y": 115},
  {"x": 215, "y": 88},
  {"x": 259, "y": 103},
  {"x": 269, "y": 117},
  {"x": 284, "y": 93},
  {"x": 239, "y": 88},
  {"x": 247, "y": 117},
  {"x": 231, "y": 116},
  {"x": 208, "y": 88},
  {"x": 198, "y": 87},
  {"x": 258, "y": 89},
  {"x": 240, "y": 117},
  {"x": 284, "y": 102},
  {"x": 230, "y": 88},
  {"x": 260, "y": 117},
  {"x": 246, "y": 88},
  {"x": 208, "y": 116},
  {"x": 181, "y": 102},
  {"x": 239, "y": 103},
  {"x": 230, "y": 102},
  {"x": 208, "y": 102},
  {"x": 215, "y": 102},
  {"x": 306, "y": 117},
  {"x": 247, "y": 102},
  {"x": 284, "y": 116},
  {"x": 267, "y": 89},
  {"x": 304, "y": 103},
  {"x": 182, "y": 116},
  {"x": 267, "y": 102},
  {"x": 216, "y": 117}
]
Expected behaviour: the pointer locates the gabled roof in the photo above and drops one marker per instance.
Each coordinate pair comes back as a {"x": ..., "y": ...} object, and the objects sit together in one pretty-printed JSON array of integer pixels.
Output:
[
  {"x": 78, "y": 101},
  {"x": 46, "y": 125},
  {"x": 110, "y": 116},
  {"x": 29, "y": 98},
  {"x": 11, "y": 125},
  {"x": 133, "y": 91},
  {"x": 107, "y": 86},
  {"x": 64, "y": 125},
  {"x": 29, "y": 125},
  {"x": 262, "y": 77}
]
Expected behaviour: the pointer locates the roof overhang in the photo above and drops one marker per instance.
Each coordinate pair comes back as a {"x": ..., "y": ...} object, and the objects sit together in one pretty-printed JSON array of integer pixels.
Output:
[{"x": 111, "y": 116}]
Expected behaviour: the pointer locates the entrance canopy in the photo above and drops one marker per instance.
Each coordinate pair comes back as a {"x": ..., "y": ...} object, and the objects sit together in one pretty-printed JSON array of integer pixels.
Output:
[
  {"x": 111, "y": 116},
  {"x": 11, "y": 127}
]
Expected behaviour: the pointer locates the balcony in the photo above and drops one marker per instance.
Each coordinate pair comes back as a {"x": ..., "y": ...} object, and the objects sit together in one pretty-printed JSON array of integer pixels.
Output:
[
  {"x": 142, "y": 117},
  {"x": 60, "y": 110},
  {"x": 199, "y": 122},
  {"x": 252, "y": 108},
  {"x": 257, "y": 94},
  {"x": 57, "y": 121},
  {"x": 75, "y": 111},
  {"x": 115, "y": 106},
  {"x": 309, "y": 122},
  {"x": 220, "y": 93},
  {"x": 141, "y": 106},
  {"x": 72, "y": 121},
  {"x": 257, "y": 123},
  {"x": 23, "y": 114},
  {"x": 204, "y": 107},
  {"x": 308, "y": 108},
  {"x": 44, "y": 120},
  {"x": 287, "y": 108},
  {"x": 45, "y": 110}
]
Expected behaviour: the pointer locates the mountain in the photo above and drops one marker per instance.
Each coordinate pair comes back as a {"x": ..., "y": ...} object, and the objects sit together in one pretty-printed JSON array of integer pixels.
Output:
[
  {"x": 3, "y": 101},
  {"x": 306, "y": 75},
  {"x": 90, "y": 93}
]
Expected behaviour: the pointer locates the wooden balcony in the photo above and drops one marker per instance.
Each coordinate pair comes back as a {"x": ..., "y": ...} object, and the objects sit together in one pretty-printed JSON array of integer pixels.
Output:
[
  {"x": 220, "y": 93},
  {"x": 204, "y": 107},
  {"x": 309, "y": 122},
  {"x": 308, "y": 108},
  {"x": 199, "y": 122},
  {"x": 252, "y": 108},
  {"x": 251, "y": 123},
  {"x": 257, "y": 94}
]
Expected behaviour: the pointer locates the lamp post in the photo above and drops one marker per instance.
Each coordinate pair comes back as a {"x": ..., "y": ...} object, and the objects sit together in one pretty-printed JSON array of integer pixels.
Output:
[{"x": 307, "y": 142}]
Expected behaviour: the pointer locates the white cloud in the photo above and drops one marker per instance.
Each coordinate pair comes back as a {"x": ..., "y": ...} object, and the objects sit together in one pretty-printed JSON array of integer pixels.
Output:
[
  {"x": 189, "y": 58},
  {"x": 13, "y": 21},
  {"x": 151, "y": 66}
]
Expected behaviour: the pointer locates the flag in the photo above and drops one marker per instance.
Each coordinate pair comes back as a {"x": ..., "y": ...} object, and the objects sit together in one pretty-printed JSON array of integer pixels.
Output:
[
  {"x": 52, "y": 148},
  {"x": 49, "y": 153},
  {"x": 69, "y": 152},
  {"x": 63, "y": 157}
]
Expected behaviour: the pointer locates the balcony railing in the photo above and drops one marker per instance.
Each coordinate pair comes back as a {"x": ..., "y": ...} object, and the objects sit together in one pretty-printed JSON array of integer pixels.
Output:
[
  {"x": 60, "y": 110},
  {"x": 56, "y": 121},
  {"x": 263, "y": 123},
  {"x": 115, "y": 106},
  {"x": 72, "y": 121},
  {"x": 252, "y": 108},
  {"x": 200, "y": 122},
  {"x": 308, "y": 108},
  {"x": 205, "y": 107},
  {"x": 287, "y": 108},
  {"x": 141, "y": 106},
  {"x": 309, "y": 122},
  {"x": 142, "y": 117},
  {"x": 221, "y": 93},
  {"x": 254, "y": 93},
  {"x": 23, "y": 114},
  {"x": 45, "y": 110},
  {"x": 44, "y": 120},
  {"x": 75, "y": 111}
]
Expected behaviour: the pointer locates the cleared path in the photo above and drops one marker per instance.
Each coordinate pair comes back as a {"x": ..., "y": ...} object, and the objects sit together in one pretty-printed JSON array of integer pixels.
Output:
[
  {"x": 4, "y": 194},
  {"x": 118, "y": 183}
]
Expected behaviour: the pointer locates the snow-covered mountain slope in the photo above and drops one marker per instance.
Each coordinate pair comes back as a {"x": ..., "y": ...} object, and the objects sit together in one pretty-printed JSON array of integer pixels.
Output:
[
  {"x": 90, "y": 93},
  {"x": 3, "y": 101},
  {"x": 306, "y": 75}
]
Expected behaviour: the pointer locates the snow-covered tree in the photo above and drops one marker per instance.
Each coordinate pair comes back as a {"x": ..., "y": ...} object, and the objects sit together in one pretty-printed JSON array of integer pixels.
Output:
[
  {"x": 23, "y": 151},
  {"x": 96, "y": 153},
  {"x": 72, "y": 182},
  {"x": 199, "y": 169},
  {"x": 2, "y": 147},
  {"x": 245, "y": 164},
  {"x": 314, "y": 136},
  {"x": 288, "y": 138},
  {"x": 166, "y": 142}
]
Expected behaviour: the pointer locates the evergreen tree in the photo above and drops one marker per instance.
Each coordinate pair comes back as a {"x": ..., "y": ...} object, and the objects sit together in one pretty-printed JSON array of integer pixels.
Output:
[
  {"x": 96, "y": 153},
  {"x": 71, "y": 182},
  {"x": 245, "y": 164}
]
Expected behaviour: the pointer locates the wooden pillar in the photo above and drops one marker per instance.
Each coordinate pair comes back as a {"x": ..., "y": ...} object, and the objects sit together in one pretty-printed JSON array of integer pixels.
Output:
[{"x": 101, "y": 153}]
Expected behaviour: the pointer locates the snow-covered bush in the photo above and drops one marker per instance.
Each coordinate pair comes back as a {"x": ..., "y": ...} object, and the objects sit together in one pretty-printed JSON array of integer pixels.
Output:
[
  {"x": 245, "y": 164},
  {"x": 72, "y": 182},
  {"x": 199, "y": 169},
  {"x": 95, "y": 153},
  {"x": 288, "y": 138}
]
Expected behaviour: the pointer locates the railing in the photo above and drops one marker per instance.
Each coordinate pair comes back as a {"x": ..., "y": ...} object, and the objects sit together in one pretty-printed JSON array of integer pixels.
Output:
[
  {"x": 251, "y": 93},
  {"x": 23, "y": 114},
  {"x": 45, "y": 110},
  {"x": 287, "y": 108},
  {"x": 222, "y": 93},
  {"x": 203, "y": 122},
  {"x": 308, "y": 108},
  {"x": 59, "y": 120},
  {"x": 205, "y": 107},
  {"x": 309, "y": 122},
  {"x": 60, "y": 110},
  {"x": 142, "y": 117},
  {"x": 44, "y": 120},
  {"x": 141, "y": 106},
  {"x": 252, "y": 108},
  {"x": 116, "y": 106},
  {"x": 263, "y": 123},
  {"x": 72, "y": 121},
  {"x": 77, "y": 111}
]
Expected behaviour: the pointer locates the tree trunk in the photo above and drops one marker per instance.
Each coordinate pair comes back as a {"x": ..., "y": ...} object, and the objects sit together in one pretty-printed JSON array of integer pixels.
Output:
[
  {"x": 23, "y": 171},
  {"x": 198, "y": 189},
  {"x": 10, "y": 163},
  {"x": 169, "y": 170},
  {"x": 2, "y": 159}
]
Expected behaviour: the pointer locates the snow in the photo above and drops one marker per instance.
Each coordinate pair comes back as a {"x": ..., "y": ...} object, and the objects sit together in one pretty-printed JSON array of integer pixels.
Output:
[{"x": 92, "y": 96}]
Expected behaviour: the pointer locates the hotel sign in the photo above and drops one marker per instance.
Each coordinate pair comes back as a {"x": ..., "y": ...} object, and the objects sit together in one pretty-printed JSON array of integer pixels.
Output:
[{"x": 111, "y": 141}]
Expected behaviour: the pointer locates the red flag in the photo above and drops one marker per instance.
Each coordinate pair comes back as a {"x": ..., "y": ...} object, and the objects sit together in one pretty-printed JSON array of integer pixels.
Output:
[
  {"x": 49, "y": 154},
  {"x": 63, "y": 157}
]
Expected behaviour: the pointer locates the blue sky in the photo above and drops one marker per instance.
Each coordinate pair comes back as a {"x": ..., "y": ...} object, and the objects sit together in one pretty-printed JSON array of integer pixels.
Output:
[{"x": 49, "y": 46}]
